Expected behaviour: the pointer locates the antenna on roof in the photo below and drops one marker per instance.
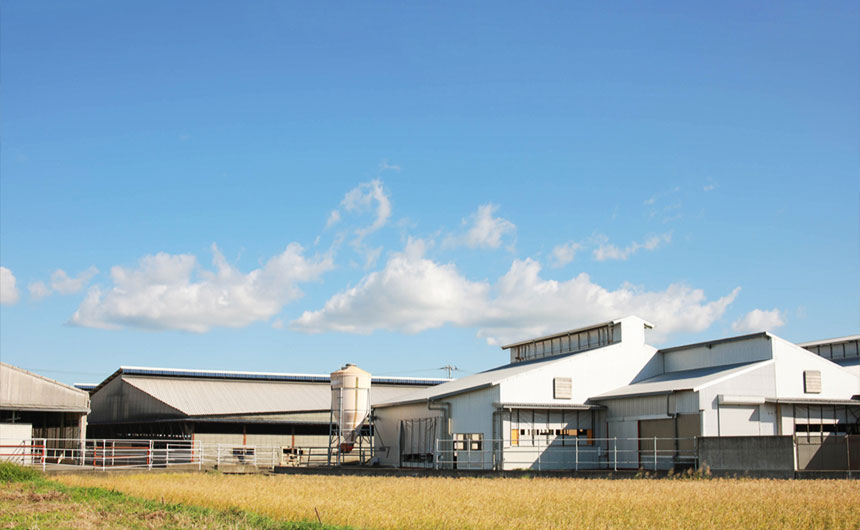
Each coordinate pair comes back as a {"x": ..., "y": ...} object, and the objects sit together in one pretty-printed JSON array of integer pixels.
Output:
[{"x": 450, "y": 370}]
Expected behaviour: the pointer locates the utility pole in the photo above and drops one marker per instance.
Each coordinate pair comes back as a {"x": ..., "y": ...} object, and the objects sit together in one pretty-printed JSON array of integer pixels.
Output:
[{"x": 449, "y": 369}]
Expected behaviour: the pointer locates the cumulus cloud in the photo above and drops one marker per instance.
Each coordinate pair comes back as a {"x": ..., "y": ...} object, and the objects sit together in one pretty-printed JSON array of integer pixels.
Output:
[
  {"x": 168, "y": 291},
  {"x": 333, "y": 219},
  {"x": 564, "y": 253},
  {"x": 759, "y": 320},
  {"x": 364, "y": 198},
  {"x": 485, "y": 231},
  {"x": 413, "y": 293},
  {"x": 65, "y": 284},
  {"x": 62, "y": 283},
  {"x": 368, "y": 196},
  {"x": 8, "y": 291},
  {"x": 608, "y": 251},
  {"x": 38, "y": 290}
]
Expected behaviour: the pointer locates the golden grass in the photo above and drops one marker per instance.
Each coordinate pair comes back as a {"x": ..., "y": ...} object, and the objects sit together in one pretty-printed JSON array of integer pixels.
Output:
[{"x": 522, "y": 503}]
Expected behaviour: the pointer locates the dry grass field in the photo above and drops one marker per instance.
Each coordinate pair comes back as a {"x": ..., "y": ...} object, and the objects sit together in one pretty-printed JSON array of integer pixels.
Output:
[{"x": 522, "y": 503}]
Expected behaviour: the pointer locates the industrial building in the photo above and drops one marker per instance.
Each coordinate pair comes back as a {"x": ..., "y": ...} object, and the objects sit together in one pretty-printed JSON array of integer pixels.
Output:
[
  {"x": 585, "y": 396},
  {"x": 844, "y": 351},
  {"x": 240, "y": 408},
  {"x": 32, "y": 406}
]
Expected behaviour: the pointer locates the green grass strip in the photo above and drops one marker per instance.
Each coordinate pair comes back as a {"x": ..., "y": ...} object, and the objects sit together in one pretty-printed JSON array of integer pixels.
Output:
[{"x": 28, "y": 499}]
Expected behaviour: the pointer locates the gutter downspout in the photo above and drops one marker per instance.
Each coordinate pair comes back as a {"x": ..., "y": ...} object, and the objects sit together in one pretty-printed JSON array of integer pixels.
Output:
[{"x": 445, "y": 408}]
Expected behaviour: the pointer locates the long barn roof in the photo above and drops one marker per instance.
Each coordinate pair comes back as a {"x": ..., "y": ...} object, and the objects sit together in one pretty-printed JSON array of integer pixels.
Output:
[{"x": 23, "y": 390}]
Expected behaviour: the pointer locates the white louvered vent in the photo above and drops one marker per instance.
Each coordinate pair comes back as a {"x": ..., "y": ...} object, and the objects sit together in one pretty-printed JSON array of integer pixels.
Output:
[
  {"x": 561, "y": 388},
  {"x": 812, "y": 381}
]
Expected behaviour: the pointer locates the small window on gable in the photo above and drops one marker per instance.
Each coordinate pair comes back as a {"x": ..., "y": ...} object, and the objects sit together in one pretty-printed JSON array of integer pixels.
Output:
[
  {"x": 812, "y": 381},
  {"x": 562, "y": 388}
]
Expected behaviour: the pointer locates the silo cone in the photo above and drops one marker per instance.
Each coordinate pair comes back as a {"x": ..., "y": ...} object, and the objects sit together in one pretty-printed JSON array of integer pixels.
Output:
[{"x": 350, "y": 402}]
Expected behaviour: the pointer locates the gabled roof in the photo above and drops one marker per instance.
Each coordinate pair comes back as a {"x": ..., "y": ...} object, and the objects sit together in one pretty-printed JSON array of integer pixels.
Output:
[
  {"x": 200, "y": 397},
  {"x": 480, "y": 380},
  {"x": 693, "y": 380},
  {"x": 255, "y": 376},
  {"x": 23, "y": 390},
  {"x": 836, "y": 340}
]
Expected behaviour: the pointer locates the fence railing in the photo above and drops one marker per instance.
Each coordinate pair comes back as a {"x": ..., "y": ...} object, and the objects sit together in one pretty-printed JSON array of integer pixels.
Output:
[
  {"x": 594, "y": 453},
  {"x": 114, "y": 454}
]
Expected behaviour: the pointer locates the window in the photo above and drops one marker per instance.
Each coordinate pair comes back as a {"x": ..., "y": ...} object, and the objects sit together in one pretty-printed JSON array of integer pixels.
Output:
[{"x": 469, "y": 442}]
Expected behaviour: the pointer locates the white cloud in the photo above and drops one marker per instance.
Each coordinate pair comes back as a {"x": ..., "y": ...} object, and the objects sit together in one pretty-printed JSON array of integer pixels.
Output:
[
  {"x": 485, "y": 231},
  {"x": 333, "y": 219},
  {"x": 564, "y": 253},
  {"x": 65, "y": 284},
  {"x": 8, "y": 291},
  {"x": 361, "y": 199},
  {"x": 413, "y": 293},
  {"x": 652, "y": 200},
  {"x": 172, "y": 292},
  {"x": 38, "y": 290},
  {"x": 606, "y": 251},
  {"x": 62, "y": 283},
  {"x": 385, "y": 166},
  {"x": 709, "y": 187},
  {"x": 759, "y": 320},
  {"x": 410, "y": 294}
]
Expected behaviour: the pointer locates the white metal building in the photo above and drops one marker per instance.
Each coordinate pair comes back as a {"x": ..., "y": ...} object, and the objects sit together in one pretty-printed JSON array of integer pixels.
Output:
[
  {"x": 540, "y": 399},
  {"x": 752, "y": 385},
  {"x": 563, "y": 397},
  {"x": 844, "y": 351},
  {"x": 33, "y": 406}
]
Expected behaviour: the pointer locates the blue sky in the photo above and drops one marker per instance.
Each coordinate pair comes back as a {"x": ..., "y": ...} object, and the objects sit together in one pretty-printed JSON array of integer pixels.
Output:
[{"x": 291, "y": 186}]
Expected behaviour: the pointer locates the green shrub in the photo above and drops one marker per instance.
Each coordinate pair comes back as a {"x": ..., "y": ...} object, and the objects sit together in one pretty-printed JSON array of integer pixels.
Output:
[{"x": 10, "y": 472}]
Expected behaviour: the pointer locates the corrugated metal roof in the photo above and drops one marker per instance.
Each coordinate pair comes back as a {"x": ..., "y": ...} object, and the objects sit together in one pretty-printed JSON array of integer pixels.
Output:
[
  {"x": 682, "y": 380},
  {"x": 211, "y": 397},
  {"x": 23, "y": 390},
  {"x": 836, "y": 340},
  {"x": 256, "y": 376}
]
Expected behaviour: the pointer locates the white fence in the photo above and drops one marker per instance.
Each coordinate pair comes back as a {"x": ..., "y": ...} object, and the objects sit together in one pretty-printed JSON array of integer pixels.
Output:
[
  {"x": 106, "y": 454},
  {"x": 594, "y": 453}
]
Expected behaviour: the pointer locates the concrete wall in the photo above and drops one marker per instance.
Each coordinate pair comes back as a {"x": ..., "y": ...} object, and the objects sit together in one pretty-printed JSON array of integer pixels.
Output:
[
  {"x": 829, "y": 453},
  {"x": 743, "y": 454}
]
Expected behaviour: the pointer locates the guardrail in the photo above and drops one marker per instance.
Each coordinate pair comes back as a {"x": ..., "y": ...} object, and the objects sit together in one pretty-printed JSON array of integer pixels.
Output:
[{"x": 115, "y": 454}]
